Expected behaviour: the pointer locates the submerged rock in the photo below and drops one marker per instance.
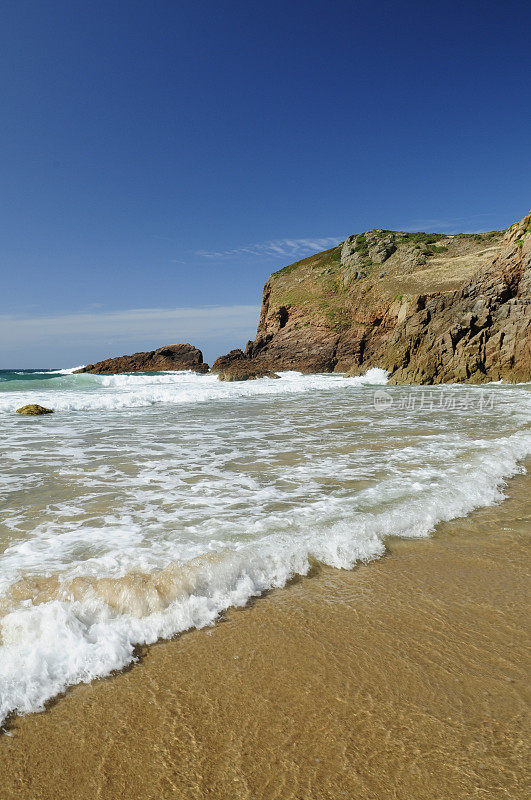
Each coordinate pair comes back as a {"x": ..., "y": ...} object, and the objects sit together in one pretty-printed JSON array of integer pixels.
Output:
[{"x": 34, "y": 410}]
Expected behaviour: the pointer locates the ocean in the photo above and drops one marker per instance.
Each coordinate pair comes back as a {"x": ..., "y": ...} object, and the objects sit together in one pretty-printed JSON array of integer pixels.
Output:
[{"x": 147, "y": 504}]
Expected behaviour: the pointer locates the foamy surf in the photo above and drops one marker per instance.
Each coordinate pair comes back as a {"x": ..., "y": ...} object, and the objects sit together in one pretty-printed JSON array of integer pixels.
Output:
[
  {"x": 126, "y": 524},
  {"x": 64, "y": 391}
]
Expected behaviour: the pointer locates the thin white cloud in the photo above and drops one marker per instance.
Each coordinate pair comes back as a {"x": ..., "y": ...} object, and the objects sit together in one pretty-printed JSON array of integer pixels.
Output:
[
  {"x": 472, "y": 224},
  {"x": 162, "y": 325},
  {"x": 285, "y": 248}
]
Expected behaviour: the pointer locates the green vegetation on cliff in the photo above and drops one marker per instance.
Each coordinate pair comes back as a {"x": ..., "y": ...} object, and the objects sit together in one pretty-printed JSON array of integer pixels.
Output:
[
  {"x": 344, "y": 284},
  {"x": 428, "y": 307}
]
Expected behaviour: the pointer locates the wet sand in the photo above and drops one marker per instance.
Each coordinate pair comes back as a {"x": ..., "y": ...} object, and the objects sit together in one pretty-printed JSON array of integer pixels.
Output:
[{"x": 403, "y": 679}]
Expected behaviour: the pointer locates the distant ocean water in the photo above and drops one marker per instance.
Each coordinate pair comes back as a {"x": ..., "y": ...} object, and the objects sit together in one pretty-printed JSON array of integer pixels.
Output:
[{"x": 149, "y": 503}]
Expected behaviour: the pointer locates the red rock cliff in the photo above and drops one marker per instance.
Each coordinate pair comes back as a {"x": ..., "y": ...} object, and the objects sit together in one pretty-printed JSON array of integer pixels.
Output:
[{"x": 430, "y": 308}]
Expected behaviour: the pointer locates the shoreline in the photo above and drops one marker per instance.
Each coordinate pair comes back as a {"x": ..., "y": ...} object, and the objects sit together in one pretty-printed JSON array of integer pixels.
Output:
[{"x": 403, "y": 678}]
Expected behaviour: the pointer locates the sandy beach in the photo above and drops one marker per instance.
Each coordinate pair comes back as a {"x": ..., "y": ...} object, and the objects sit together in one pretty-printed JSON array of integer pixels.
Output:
[{"x": 404, "y": 678}]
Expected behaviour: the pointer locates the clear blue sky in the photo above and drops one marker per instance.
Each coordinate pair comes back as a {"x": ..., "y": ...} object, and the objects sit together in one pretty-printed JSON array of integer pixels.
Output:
[{"x": 163, "y": 157}]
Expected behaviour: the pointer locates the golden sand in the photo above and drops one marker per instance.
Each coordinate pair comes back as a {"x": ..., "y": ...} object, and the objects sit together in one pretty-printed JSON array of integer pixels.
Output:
[{"x": 403, "y": 679}]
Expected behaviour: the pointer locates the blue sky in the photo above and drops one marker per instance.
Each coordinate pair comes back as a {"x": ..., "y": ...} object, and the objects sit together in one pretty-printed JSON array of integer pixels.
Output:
[{"x": 160, "y": 159}]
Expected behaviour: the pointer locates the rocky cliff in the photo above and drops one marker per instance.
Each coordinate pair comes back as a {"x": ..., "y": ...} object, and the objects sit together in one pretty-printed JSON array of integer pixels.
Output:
[
  {"x": 170, "y": 357},
  {"x": 430, "y": 308}
]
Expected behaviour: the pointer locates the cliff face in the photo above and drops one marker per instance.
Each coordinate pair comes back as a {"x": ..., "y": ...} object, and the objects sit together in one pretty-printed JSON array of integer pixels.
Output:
[
  {"x": 430, "y": 308},
  {"x": 170, "y": 357}
]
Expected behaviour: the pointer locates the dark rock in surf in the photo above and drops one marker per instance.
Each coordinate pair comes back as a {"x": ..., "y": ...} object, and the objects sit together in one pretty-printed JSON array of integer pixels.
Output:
[
  {"x": 237, "y": 366},
  {"x": 245, "y": 373},
  {"x": 34, "y": 410}
]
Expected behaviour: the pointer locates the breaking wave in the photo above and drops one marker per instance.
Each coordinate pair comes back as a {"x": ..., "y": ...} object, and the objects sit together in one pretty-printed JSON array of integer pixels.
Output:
[
  {"x": 64, "y": 391},
  {"x": 144, "y": 525}
]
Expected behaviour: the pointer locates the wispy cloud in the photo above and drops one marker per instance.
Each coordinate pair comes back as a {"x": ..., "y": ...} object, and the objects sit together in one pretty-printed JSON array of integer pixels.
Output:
[
  {"x": 285, "y": 248},
  {"x": 159, "y": 325},
  {"x": 472, "y": 224}
]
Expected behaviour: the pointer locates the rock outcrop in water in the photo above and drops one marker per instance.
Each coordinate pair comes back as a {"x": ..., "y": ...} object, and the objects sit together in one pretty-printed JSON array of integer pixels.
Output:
[
  {"x": 429, "y": 308},
  {"x": 169, "y": 357},
  {"x": 236, "y": 367},
  {"x": 34, "y": 410}
]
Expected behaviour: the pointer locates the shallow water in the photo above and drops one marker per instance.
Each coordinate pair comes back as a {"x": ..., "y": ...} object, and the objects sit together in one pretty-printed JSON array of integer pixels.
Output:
[{"x": 147, "y": 504}]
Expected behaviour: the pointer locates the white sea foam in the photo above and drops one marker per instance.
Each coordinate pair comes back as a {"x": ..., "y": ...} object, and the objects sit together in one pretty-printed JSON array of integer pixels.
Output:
[
  {"x": 122, "y": 528},
  {"x": 84, "y": 392},
  {"x": 65, "y": 371}
]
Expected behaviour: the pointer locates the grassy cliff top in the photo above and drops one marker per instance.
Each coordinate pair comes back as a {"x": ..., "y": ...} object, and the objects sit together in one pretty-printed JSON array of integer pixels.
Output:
[{"x": 371, "y": 270}]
